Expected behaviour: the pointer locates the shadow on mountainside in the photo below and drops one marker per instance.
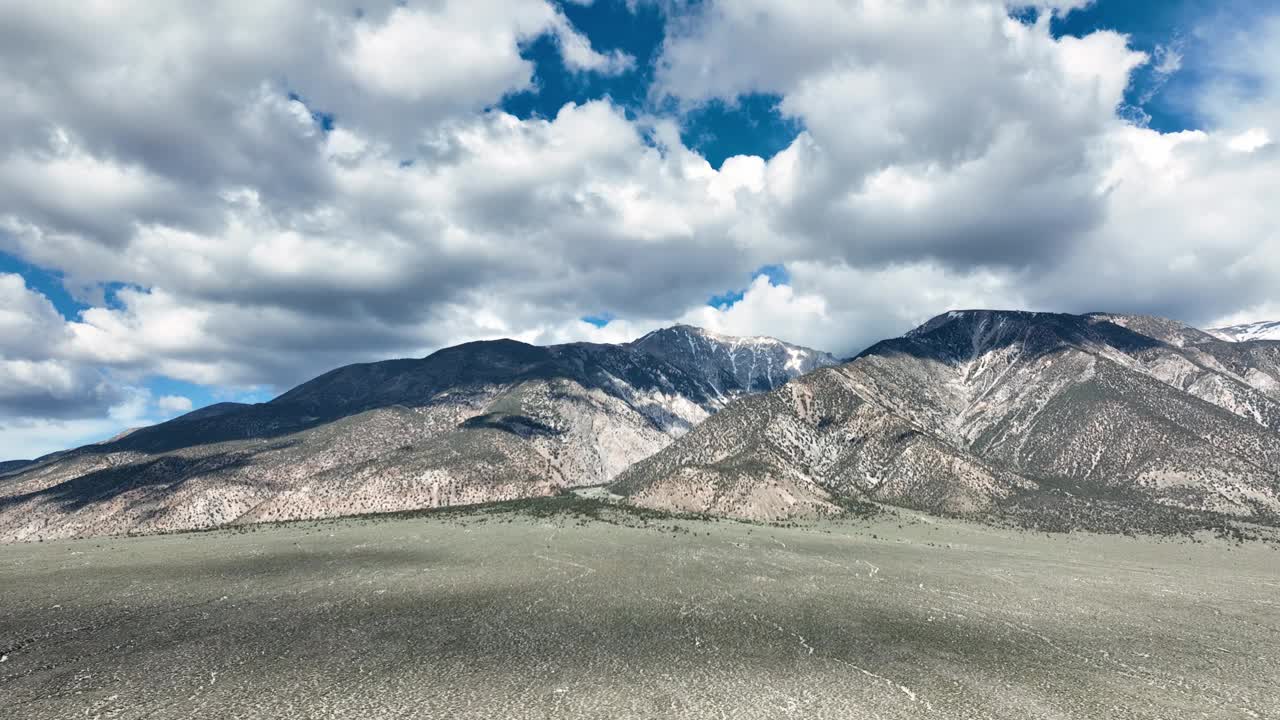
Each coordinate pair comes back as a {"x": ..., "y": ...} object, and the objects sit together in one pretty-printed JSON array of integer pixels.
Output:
[
  {"x": 959, "y": 336},
  {"x": 108, "y": 483}
]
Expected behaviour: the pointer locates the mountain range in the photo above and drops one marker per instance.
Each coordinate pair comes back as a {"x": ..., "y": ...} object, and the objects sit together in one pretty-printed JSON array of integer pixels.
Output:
[
  {"x": 1105, "y": 421},
  {"x": 478, "y": 422},
  {"x": 996, "y": 413}
]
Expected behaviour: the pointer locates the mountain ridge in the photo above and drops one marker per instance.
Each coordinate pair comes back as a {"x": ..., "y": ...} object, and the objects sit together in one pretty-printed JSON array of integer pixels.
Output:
[{"x": 481, "y": 421}]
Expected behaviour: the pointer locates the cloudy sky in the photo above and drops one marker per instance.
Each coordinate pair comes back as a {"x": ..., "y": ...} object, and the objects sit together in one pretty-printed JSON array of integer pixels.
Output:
[{"x": 215, "y": 200}]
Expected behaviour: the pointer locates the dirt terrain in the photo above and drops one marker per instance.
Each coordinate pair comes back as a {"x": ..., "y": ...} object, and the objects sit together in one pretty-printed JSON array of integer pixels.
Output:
[{"x": 541, "y": 610}]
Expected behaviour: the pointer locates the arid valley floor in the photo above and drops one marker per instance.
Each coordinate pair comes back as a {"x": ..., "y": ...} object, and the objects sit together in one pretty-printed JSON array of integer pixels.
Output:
[{"x": 537, "y": 610}]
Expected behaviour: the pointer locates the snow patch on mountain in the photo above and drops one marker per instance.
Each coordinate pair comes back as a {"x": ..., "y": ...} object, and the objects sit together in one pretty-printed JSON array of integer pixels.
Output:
[
  {"x": 1263, "y": 330},
  {"x": 732, "y": 366}
]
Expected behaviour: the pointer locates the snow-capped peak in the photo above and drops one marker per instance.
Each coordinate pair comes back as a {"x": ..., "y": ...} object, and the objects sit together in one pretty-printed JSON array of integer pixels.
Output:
[
  {"x": 732, "y": 365},
  {"x": 1262, "y": 330},
  {"x": 728, "y": 339}
]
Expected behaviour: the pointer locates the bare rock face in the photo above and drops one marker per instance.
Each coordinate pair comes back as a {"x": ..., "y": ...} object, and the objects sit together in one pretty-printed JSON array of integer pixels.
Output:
[
  {"x": 975, "y": 410},
  {"x": 474, "y": 423}
]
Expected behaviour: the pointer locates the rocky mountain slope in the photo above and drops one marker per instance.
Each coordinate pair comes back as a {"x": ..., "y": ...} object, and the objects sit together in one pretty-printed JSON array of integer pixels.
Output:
[
  {"x": 978, "y": 411},
  {"x": 1243, "y": 377},
  {"x": 474, "y": 423},
  {"x": 1265, "y": 330}
]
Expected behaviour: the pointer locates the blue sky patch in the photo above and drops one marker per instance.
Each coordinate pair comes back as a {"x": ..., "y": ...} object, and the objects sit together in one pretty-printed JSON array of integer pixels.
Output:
[
  {"x": 323, "y": 120},
  {"x": 46, "y": 282},
  {"x": 1161, "y": 100},
  {"x": 610, "y": 26},
  {"x": 599, "y": 320},
  {"x": 777, "y": 275},
  {"x": 727, "y": 299},
  {"x": 752, "y": 125}
]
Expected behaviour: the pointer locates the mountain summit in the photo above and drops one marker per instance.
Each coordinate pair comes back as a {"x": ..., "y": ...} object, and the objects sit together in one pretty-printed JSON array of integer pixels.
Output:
[{"x": 731, "y": 364}]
